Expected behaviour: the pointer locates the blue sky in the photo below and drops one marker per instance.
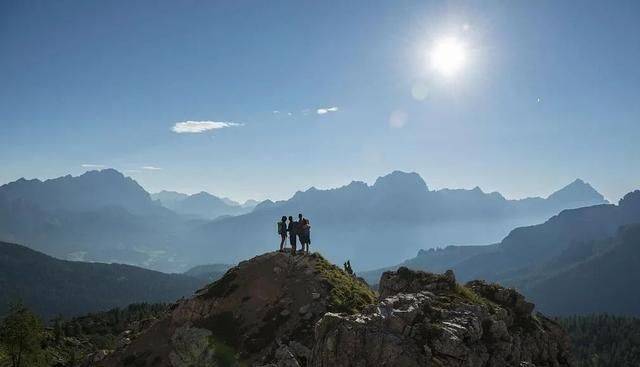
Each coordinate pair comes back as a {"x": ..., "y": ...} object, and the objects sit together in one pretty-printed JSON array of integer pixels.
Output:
[{"x": 550, "y": 91}]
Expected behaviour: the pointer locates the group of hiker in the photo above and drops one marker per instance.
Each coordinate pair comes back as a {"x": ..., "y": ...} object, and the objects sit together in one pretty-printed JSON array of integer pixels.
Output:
[{"x": 295, "y": 230}]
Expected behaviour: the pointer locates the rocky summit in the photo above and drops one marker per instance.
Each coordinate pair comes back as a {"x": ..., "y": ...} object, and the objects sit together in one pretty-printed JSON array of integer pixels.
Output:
[
  {"x": 261, "y": 312},
  {"x": 278, "y": 310}
]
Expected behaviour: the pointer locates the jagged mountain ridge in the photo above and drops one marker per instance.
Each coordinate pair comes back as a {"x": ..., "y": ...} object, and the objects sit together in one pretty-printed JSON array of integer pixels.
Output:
[
  {"x": 89, "y": 191},
  {"x": 54, "y": 287},
  {"x": 357, "y": 221},
  {"x": 283, "y": 310},
  {"x": 543, "y": 259}
]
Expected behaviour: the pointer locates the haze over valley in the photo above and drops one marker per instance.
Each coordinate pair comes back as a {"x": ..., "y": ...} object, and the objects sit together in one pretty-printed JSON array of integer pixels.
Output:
[{"x": 107, "y": 217}]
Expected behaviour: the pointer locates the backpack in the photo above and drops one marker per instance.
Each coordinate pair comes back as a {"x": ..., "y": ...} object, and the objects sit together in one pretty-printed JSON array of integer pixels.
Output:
[{"x": 282, "y": 228}]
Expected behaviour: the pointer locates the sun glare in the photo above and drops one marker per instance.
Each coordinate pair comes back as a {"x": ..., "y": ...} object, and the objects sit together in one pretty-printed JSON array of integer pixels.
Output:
[{"x": 448, "y": 56}]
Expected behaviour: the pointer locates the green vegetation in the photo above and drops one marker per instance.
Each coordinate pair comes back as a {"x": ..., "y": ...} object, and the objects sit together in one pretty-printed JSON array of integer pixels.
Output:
[
  {"x": 68, "y": 342},
  {"x": 225, "y": 356},
  {"x": 348, "y": 294},
  {"x": 101, "y": 328},
  {"x": 473, "y": 297},
  {"x": 604, "y": 340},
  {"x": 50, "y": 287},
  {"x": 21, "y": 334}
]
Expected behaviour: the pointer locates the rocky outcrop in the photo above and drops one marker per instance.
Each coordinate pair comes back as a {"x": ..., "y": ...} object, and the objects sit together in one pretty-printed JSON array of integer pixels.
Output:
[
  {"x": 262, "y": 312},
  {"x": 278, "y": 310},
  {"x": 425, "y": 319},
  {"x": 405, "y": 280}
]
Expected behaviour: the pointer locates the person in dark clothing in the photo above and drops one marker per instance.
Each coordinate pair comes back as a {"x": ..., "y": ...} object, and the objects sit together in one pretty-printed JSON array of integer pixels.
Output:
[
  {"x": 293, "y": 232},
  {"x": 305, "y": 234},
  {"x": 282, "y": 231},
  {"x": 301, "y": 231}
]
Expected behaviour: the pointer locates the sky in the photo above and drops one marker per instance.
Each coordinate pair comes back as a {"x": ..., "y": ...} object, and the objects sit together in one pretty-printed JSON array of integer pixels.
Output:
[{"x": 257, "y": 99}]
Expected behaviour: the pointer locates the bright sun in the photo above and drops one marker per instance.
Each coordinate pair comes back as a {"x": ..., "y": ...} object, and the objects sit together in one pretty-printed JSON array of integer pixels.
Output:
[{"x": 448, "y": 56}]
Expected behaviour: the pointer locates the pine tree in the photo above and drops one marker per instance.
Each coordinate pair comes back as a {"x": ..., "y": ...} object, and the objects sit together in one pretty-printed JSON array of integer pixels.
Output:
[{"x": 21, "y": 334}]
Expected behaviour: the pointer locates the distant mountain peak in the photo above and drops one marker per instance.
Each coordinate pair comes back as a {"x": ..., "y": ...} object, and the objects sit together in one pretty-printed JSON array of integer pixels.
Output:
[
  {"x": 103, "y": 173},
  {"x": 402, "y": 181},
  {"x": 89, "y": 191},
  {"x": 577, "y": 191},
  {"x": 578, "y": 183}
]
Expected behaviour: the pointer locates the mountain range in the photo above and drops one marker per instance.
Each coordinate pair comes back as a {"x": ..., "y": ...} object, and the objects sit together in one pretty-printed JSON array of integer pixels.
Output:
[
  {"x": 98, "y": 216},
  {"x": 202, "y": 205},
  {"x": 391, "y": 219},
  {"x": 107, "y": 217},
  {"x": 580, "y": 261}
]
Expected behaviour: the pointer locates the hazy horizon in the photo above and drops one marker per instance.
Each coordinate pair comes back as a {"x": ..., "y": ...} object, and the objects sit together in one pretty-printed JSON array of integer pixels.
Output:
[{"x": 290, "y": 195}]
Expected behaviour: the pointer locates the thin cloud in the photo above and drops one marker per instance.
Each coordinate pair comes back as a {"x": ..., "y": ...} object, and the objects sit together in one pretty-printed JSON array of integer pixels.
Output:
[
  {"x": 195, "y": 127},
  {"x": 151, "y": 168},
  {"x": 322, "y": 111},
  {"x": 90, "y": 165}
]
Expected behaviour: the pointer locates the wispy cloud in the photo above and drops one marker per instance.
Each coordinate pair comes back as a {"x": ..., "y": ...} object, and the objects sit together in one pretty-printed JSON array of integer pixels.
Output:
[
  {"x": 151, "y": 168},
  {"x": 322, "y": 111},
  {"x": 90, "y": 165},
  {"x": 195, "y": 127}
]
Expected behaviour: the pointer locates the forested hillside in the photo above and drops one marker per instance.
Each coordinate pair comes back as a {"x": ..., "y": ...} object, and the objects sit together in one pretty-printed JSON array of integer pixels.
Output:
[
  {"x": 51, "y": 286},
  {"x": 604, "y": 340}
]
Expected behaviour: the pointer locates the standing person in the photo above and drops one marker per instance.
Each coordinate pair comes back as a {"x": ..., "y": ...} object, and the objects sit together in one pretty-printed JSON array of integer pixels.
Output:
[
  {"x": 301, "y": 231},
  {"x": 293, "y": 232},
  {"x": 282, "y": 231},
  {"x": 305, "y": 229}
]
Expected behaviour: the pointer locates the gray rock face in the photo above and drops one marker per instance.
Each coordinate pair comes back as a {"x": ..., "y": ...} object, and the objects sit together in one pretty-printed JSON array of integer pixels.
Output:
[
  {"x": 426, "y": 319},
  {"x": 408, "y": 281},
  {"x": 260, "y": 313},
  {"x": 255, "y": 316}
]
